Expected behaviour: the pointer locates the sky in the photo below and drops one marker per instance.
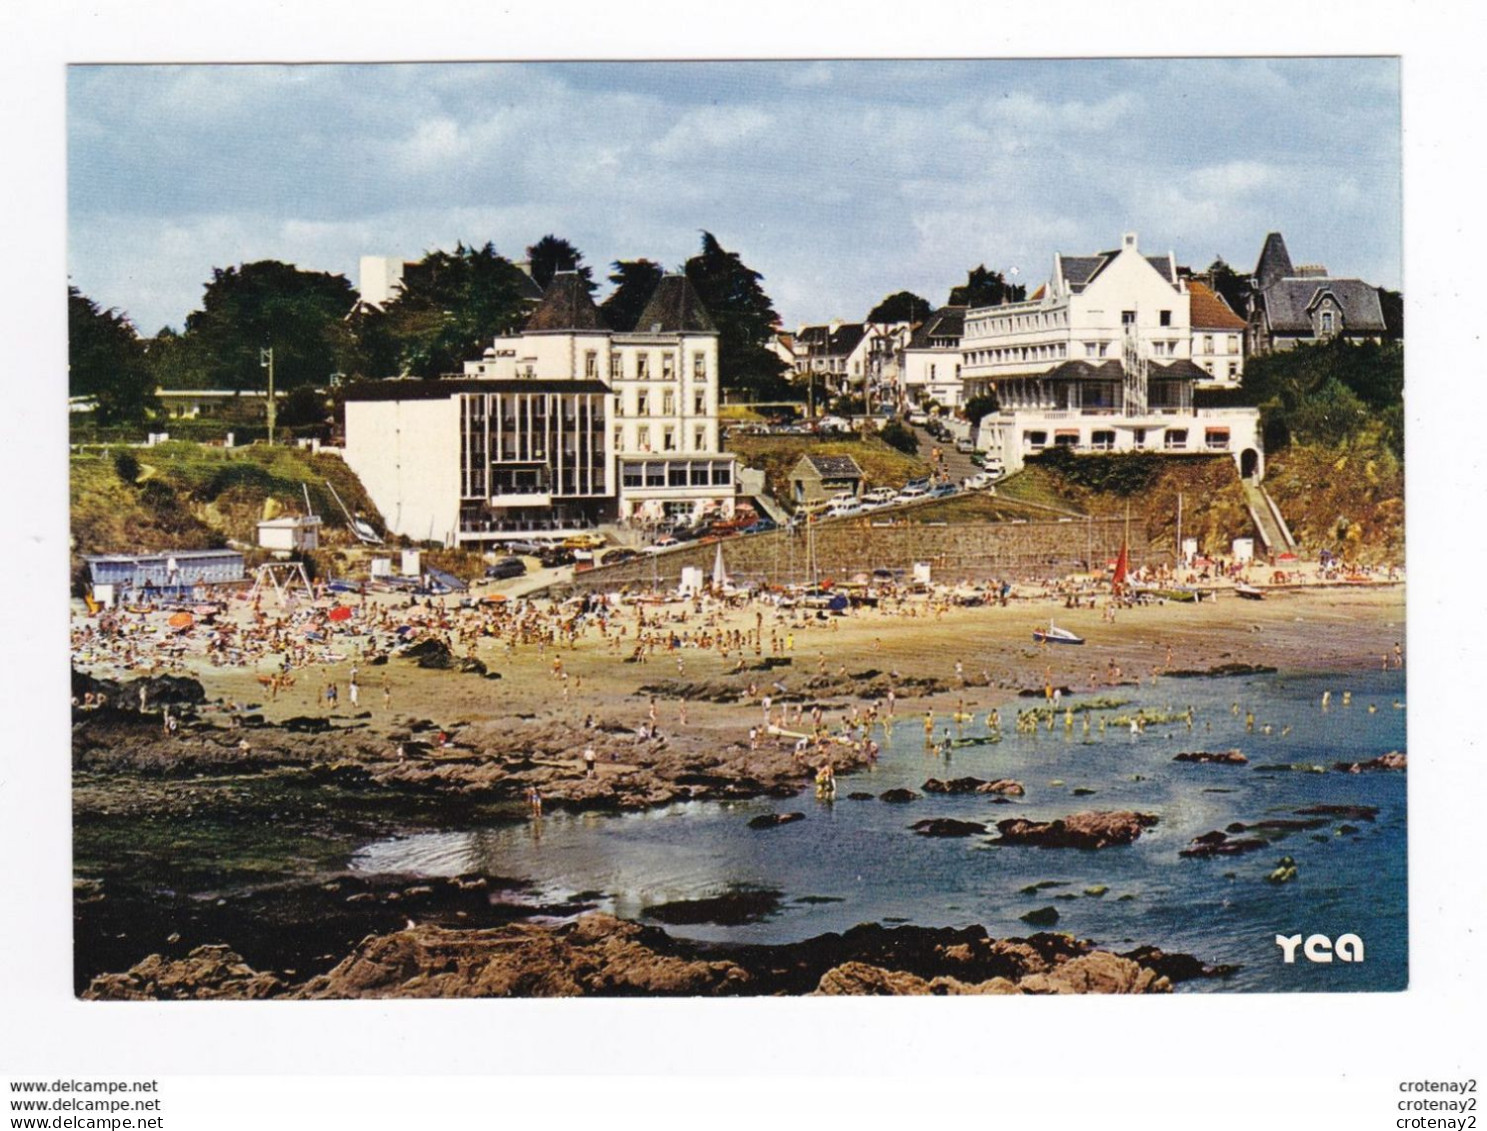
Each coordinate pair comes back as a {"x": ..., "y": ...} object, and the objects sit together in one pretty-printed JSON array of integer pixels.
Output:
[{"x": 839, "y": 181}]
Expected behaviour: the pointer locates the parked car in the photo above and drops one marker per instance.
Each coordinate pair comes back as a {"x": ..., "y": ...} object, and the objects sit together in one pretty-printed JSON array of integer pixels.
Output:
[
  {"x": 919, "y": 417},
  {"x": 978, "y": 482},
  {"x": 943, "y": 490},
  {"x": 761, "y": 525},
  {"x": 617, "y": 555},
  {"x": 584, "y": 542},
  {"x": 525, "y": 547},
  {"x": 506, "y": 567},
  {"x": 913, "y": 492},
  {"x": 555, "y": 556},
  {"x": 966, "y": 446},
  {"x": 880, "y": 496}
]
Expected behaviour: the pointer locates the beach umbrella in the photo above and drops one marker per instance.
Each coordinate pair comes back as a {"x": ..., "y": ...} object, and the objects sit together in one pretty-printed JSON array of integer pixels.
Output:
[
  {"x": 340, "y": 612},
  {"x": 720, "y": 574},
  {"x": 181, "y": 620}
]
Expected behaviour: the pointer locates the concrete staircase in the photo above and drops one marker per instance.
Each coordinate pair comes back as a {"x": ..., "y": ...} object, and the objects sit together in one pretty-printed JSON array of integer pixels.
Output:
[{"x": 1269, "y": 523}]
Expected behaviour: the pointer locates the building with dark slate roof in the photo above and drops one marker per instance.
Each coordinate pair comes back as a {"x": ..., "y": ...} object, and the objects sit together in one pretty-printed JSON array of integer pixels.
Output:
[
  {"x": 561, "y": 427},
  {"x": 817, "y": 478},
  {"x": 1292, "y": 305},
  {"x": 932, "y": 359}
]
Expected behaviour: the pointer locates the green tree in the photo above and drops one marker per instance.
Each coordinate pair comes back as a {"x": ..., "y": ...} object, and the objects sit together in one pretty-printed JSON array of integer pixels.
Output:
[
  {"x": 1331, "y": 392},
  {"x": 1230, "y": 285},
  {"x": 450, "y": 307},
  {"x": 300, "y": 315},
  {"x": 905, "y": 306},
  {"x": 106, "y": 361},
  {"x": 171, "y": 361},
  {"x": 741, "y": 311},
  {"x": 986, "y": 288},
  {"x": 977, "y": 407},
  {"x": 896, "y": 434},
  {"x": 634, "y": 280},
  {"x": 1392, "y": 303},
  {"x": 549, "y": 255}
]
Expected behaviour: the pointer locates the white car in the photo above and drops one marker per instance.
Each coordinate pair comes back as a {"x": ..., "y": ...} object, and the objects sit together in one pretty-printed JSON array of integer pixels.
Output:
[
  {"x": 878, "y": 496},
  {"x": 979, "y": 481},
  {"x": 909, "y": 494}
]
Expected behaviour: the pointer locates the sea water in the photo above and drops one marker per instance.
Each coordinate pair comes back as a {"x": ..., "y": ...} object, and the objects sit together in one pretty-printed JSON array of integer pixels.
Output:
[{"x": 857, "y": 861}]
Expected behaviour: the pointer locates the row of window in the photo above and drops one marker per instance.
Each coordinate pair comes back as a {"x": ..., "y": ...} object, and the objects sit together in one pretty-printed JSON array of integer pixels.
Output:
[
  {"x": 1230, "y": 343},
  {"x": 643, "y": 367},
  {"x": 1007, "y": 323},
  {"x": 1008, "y": 354},
  {"x": 1103, "y": 440},
  {"x": 677, "y": 473},
  {"x": 669, "y": 436},
  {"x": 644, "y": 404}
]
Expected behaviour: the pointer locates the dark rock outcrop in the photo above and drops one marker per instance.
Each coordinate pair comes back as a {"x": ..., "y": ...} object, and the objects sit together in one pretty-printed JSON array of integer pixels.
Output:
[
  {"x": 1394, "y": 760},
  {"x": 1004, "y": 786},
  {"x": 1080, "y": 830},
  {"x": 898, "y": 796},
  {"x": 947, "y": 826},
  {"x": 774, "y": 820},
  {"x": 1212, "y": 757},
  {"x": 1221, "y": 844}
]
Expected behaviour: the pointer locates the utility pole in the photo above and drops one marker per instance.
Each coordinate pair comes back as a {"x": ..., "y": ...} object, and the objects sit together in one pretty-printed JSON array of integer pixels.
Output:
[
  {"x": 266, "y": 361},
  {"x": 1179, "y": 528}
]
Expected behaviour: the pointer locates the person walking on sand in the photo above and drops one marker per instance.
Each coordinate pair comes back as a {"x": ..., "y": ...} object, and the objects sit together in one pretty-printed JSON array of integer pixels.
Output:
[
  {"x": 353, "y": 692},
  {"x": 588, "y": 761}
]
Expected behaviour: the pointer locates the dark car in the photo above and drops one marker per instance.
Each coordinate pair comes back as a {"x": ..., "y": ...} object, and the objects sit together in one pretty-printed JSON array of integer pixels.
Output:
[
  {"x": 618, "y": 555},
  {"x": 760, "y": 526},
  {"x": 507, "y": 567},
  {"x": 555, "y": 556}
]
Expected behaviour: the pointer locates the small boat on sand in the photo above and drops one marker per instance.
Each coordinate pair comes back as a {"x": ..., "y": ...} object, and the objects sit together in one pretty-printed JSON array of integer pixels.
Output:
[
  {"x": 1055, "y": 635},
  {"x": 1248, "y": 592}
]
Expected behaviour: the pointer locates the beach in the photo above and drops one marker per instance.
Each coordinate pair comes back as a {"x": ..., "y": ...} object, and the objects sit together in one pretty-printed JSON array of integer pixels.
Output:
[{"x": 431, "y": 747}]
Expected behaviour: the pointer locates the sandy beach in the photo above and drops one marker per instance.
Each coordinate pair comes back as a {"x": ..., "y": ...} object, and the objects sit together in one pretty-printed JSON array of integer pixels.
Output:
[{"x": 426, "y": 745}]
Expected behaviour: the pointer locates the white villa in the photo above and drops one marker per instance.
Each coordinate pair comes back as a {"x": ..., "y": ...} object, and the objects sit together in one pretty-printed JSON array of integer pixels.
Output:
[
  {"x": 563, "y": 426},
  {"x": 1100, "y": 359},
  {"x": 931, "y": 369}
]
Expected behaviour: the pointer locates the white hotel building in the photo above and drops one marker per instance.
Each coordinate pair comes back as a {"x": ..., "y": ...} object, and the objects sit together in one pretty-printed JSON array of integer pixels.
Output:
[
  {"x": 1099, "y": 359},
  {"x": 561, "y": 427}
]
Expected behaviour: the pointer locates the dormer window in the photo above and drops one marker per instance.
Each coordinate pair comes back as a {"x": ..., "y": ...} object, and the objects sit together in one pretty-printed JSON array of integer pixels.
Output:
[{"x": 1326, "y": 322}]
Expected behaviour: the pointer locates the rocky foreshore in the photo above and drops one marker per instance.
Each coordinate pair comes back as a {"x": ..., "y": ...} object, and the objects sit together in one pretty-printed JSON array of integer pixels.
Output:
[
  {"x": 635, "y": 767},
  {"x": 598, "y": 955}
]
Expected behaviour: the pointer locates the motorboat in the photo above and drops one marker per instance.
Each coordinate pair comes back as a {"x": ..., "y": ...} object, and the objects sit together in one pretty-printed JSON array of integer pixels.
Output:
[
  {"x": 1248, "y": 592},
  {"x": 1055, "y": 635}
]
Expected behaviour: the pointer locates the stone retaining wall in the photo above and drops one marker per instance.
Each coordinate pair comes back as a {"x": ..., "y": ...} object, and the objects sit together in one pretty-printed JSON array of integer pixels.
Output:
[{"x": 980, "y": 551}]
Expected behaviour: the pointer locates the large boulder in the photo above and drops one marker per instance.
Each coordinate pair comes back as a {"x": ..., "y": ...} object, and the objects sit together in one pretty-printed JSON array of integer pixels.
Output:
[
  {"x": 596, "y": 954},
  {"x": 947, "y": 826},
  {"x": 207, "y": 972},
  {"x": 1080, "y": 830}
]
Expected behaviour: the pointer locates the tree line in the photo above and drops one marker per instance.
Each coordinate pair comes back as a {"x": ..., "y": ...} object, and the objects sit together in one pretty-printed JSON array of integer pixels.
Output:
[{"x": 447, "y": 309}]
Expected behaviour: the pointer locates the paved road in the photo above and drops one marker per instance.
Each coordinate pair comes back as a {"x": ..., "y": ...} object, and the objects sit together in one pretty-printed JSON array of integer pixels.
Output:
[{"x": 958, "y": 466}]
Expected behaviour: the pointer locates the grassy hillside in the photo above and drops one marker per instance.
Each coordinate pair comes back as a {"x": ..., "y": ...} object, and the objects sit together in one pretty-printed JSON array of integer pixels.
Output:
[
  {"x": 1212, "y": 498},
  {"x": 1348, "y": 498},
  {"x": 777, "y": 455},
  {"x": 185, "y": 496}
]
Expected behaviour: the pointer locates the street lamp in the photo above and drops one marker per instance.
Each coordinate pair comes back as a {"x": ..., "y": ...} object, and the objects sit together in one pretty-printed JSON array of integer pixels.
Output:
[{"x": 266, "y": 361}]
